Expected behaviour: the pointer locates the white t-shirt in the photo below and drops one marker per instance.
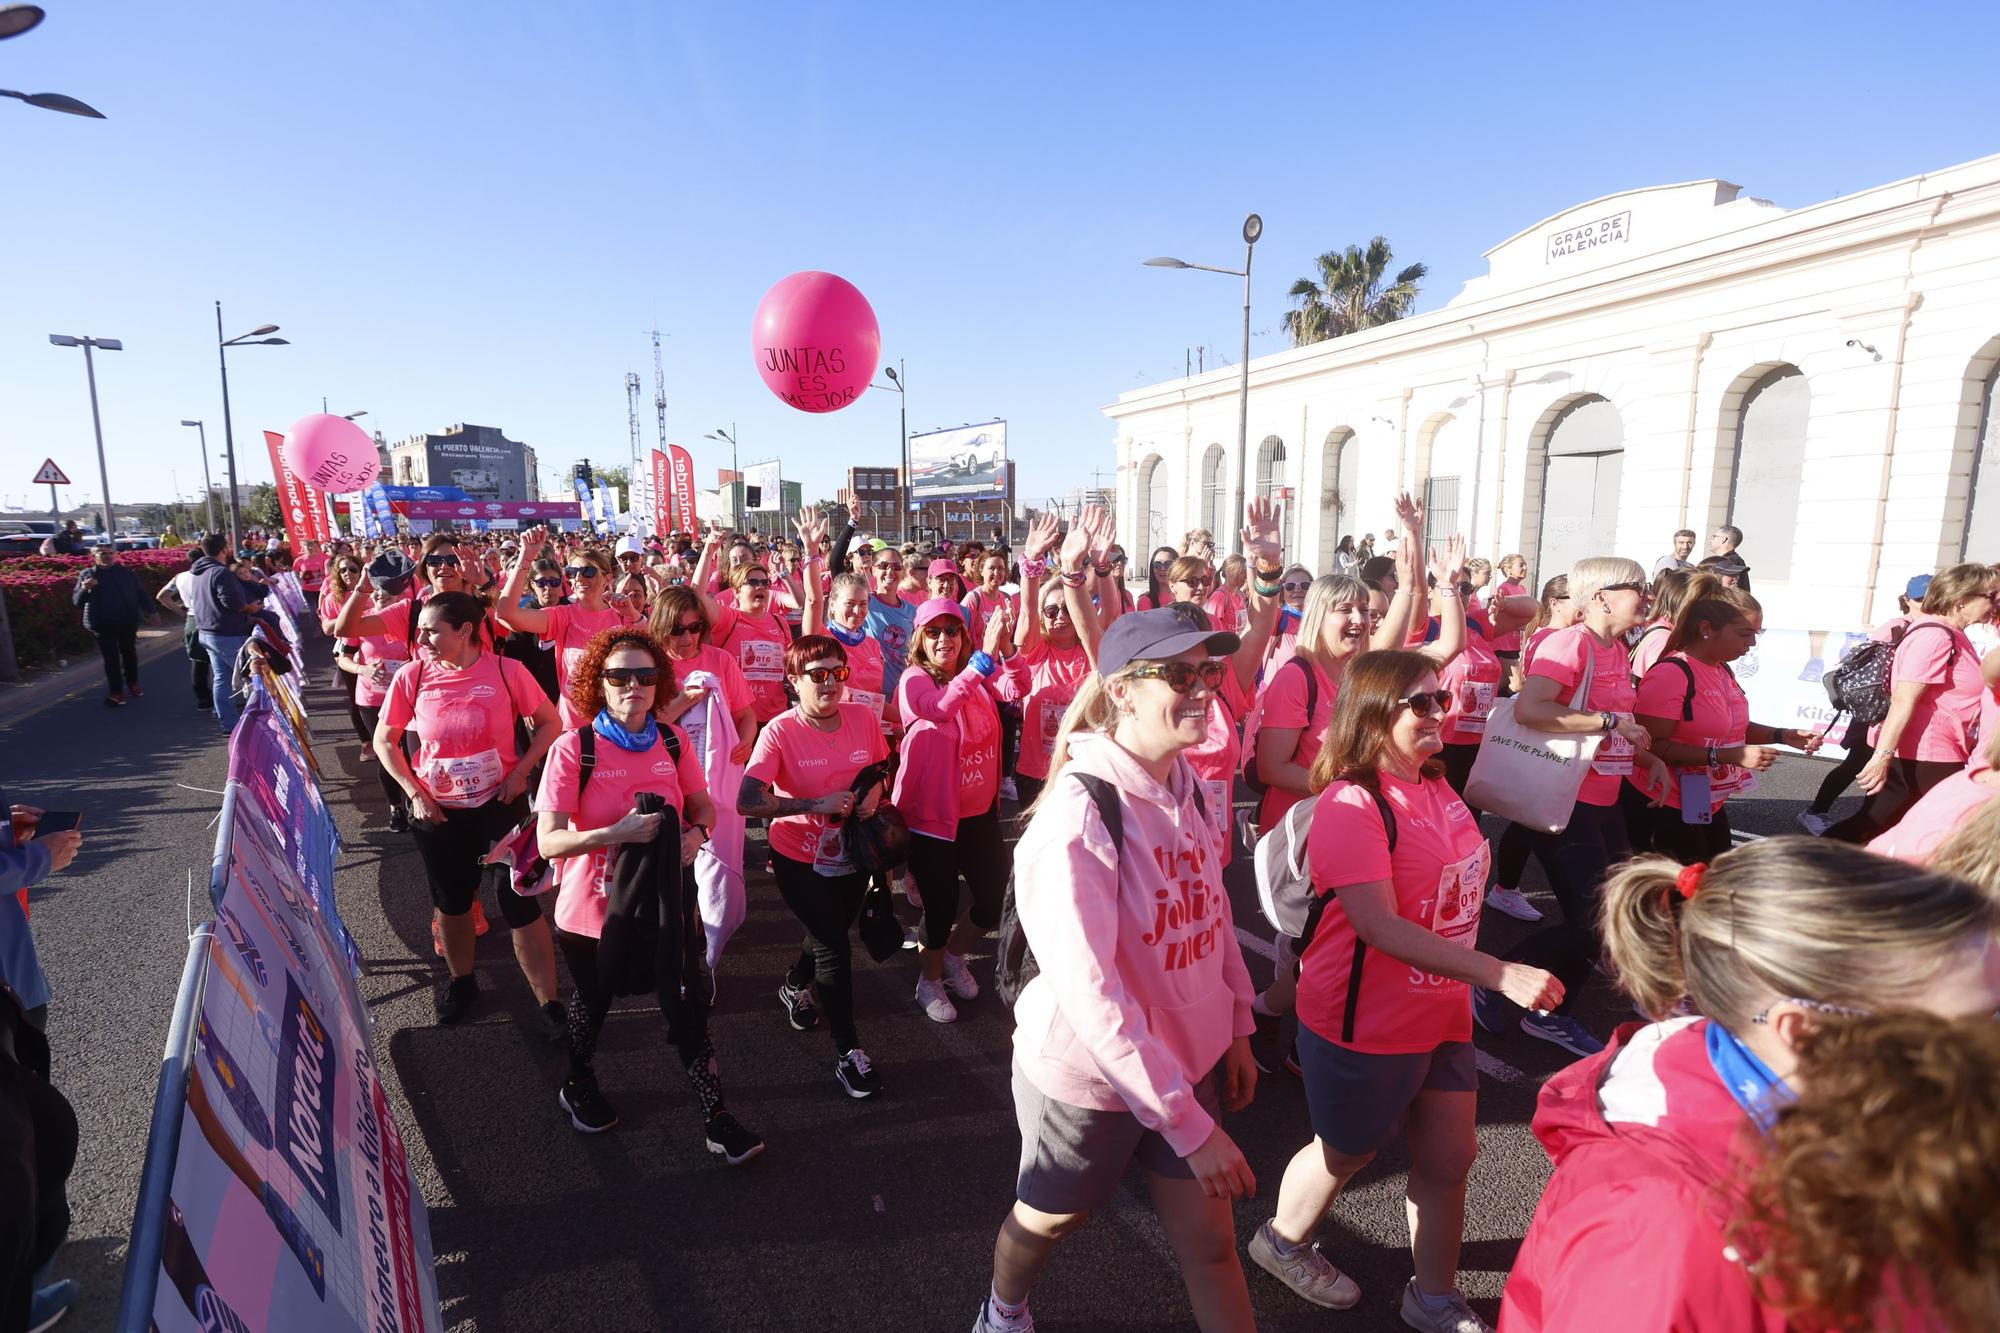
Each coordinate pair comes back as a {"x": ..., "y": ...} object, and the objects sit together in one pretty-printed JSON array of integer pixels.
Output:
[{"x": 183, "y": 586}]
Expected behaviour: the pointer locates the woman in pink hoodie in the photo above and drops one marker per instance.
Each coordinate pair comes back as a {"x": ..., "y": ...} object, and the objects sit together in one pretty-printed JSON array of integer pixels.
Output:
[
  {"x": 1650, "y": 1137},
  {"x": 1135, "y": 1035}
]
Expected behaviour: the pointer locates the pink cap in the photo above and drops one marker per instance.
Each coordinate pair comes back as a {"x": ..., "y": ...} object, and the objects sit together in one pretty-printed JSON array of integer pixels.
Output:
[
  {"x": 938, "y": 567},
  {"x": 938, "y": 607}
]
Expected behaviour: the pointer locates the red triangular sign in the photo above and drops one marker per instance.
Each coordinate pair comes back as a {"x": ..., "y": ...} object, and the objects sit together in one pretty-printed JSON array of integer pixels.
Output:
[{"x": 50, "y": 474}]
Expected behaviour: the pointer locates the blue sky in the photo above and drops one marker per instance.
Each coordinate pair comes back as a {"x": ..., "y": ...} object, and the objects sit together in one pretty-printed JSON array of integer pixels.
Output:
[{"x": 464, "y": 212}]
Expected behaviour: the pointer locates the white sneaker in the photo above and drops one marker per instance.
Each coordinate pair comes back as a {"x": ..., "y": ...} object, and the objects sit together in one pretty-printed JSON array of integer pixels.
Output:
[
  {"x": 1455, "y": 1316},
  {"x": 991, "y": 1323},
  {"x": 958, "y": 977},
  {"x": 1008, "y": 792},
  {"x": 935, "y": 1003},
  {"x": 1815, "y": 824},
  {"x": 1306, "y": 1271},
  {"x": 1513, "y": 902},
  {"x": 911, "y": 893}
]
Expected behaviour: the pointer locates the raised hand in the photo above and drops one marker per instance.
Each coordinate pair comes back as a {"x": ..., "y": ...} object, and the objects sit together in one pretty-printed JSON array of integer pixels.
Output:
[
  {"x": 1042, "y": 536},
  {"x": 1260, "y": 535},
  {"x": 1076, "y": 542},
  {"x": 1448, "y": 561},
  {"x": 532, "y": 542},
  {"x": 999, "y": 632}
]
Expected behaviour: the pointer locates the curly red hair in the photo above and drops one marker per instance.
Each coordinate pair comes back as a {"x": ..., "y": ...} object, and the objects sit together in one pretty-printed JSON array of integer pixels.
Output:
[{"x": 586, "y": 678}]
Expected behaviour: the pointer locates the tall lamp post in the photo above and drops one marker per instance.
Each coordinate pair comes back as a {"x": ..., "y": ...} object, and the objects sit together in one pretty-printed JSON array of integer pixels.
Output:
[
  {"x": 96, "y": 422},
  {"x": 900, "y": 383},
  {"x": 207, "y": 487},
  {"x": 1253, "y": 227},
  {"x": 222, "y": 346},
  {"x": 15, "y": 20},
  {"x": 728, "y": 437}
]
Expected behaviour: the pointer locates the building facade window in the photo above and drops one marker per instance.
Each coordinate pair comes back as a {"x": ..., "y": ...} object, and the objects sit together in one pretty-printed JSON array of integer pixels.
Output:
[
  {"x": 1982, "y": 517},
  {"x": 1274, "y": 484},
  {"x": 1215, "y": 493},
  {"x": 1584, "y": 462},
  {"x": 1152, "y": 514},
  {"x": 1766, "y": 469}
]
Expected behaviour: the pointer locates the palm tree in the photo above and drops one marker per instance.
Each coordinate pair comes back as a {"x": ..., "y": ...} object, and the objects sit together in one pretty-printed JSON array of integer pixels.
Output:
[{"x": 1349, "y": 296}]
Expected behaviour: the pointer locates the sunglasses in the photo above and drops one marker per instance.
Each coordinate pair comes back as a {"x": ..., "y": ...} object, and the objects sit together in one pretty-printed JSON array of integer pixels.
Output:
[
  {"x": 683, "y": 630},
  {"x": 756, "y": 583},
  {"x": 1163, "y": 564},
  {"x": 1199, "y": 585},
  {"x": 1296, "y": 585},
  {"x": 435, "y": 560},
  {"x": 1624, "y": 587},
  {"x": 824, "y": 675},
  {"x": 1055, "y": 611},
  {"x": 1181, "y": 676},
  {"x": 949, "y": 629},
  {"x": 548, "y": 583},
  {"x": 583, "y": 571},
  {"x": 631, "y": 675},
  {"x": 1422, "y": 703}
]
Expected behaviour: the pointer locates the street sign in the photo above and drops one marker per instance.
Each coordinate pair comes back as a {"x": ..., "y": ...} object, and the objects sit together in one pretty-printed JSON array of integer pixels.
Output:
[{"x": 50, "y": 475}]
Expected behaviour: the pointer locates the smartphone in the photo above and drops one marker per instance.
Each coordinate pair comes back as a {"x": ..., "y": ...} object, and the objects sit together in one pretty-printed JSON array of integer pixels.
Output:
[
  {"x": 1697, "y": 798},
  {"x": 57, "y": 821}
]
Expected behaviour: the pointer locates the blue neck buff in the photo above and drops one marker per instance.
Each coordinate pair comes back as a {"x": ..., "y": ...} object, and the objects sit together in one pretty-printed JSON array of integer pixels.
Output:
[
  {"x": 614, "y": 731},
  {"x": 851, "y": 637},
  {"x": 1761, "y": 1093},
  {"x": 1287, "y": 617}
]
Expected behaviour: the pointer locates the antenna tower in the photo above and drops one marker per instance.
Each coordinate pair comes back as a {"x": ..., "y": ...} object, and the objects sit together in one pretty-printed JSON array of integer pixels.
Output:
[{"x": 638, "y": 469}]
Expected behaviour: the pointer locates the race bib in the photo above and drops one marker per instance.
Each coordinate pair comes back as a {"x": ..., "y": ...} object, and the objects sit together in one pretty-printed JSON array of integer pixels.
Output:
[
  {"x": 466, "y": 781},
  {"x": 763, "y": 659},
  {"x": 830, "y": 852},
  {"x": 1475, "y": 704},
  {"x": 873, "y": 702},
  {"x": 1614, "y": 756},
  {"x": 1215, "y": 793},
  {"x": 1048, "y": 722},
  {"x": 1461, "y": 891}
]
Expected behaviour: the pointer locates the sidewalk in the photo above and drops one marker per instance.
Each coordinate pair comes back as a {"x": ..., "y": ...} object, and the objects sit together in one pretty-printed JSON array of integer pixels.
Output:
[{"x": 39, "y": 688}]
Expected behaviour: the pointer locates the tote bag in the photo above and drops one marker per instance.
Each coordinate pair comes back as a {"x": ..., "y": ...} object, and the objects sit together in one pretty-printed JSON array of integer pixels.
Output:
[{"x": 1532, "y": 777}]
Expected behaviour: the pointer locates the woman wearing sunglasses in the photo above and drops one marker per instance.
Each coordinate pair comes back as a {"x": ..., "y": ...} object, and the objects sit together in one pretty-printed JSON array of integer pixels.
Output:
[
  {"x": 531, "y": 650},
  {"x": 948, "y": 788},
  {"x": 1134, "y": 1038},
  {"x": 1769, "y": 942},
  {"x": 753, "y": 630},
  {"x": 437, "y": 569},
  {"x": 1159, "y": 576},
  {"x": 342, "y": 574},
  {"x": 801, "y": 777},
  {"x": 371, "y": 662},
  {"x": 616, "y": 682},
  {"x": 568, "y": 626},
  {"x": 1052, "y": 657},
  {"x": 1611, "y": 593},
  {"x": 1384, "y": 1000}
]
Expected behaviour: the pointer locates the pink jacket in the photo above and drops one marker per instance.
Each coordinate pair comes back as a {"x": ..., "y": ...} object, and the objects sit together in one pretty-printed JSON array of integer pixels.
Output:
[
  {"x": 927, "y": 780},
  {"x": 1142, "y": 984}
]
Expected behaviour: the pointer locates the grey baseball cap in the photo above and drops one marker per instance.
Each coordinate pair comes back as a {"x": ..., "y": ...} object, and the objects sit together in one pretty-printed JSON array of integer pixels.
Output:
[{"x": 1156, "y": 635}]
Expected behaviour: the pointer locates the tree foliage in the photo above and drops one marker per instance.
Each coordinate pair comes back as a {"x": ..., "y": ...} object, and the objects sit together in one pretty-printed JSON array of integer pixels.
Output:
[{"x": 1350, "y": 294}]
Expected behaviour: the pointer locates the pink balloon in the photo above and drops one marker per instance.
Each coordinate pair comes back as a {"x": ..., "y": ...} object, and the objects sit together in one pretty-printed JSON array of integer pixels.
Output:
[
  {"x": 330, "y": 453},
  {"x": 816, "y": 341}
]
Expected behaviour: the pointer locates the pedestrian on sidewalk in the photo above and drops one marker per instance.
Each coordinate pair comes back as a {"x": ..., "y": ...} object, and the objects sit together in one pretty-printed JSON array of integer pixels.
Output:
[
  {"x": 222, "y": 617},
  {"x": 178, "y": 597},
  {"x": 114, "y": 602}
]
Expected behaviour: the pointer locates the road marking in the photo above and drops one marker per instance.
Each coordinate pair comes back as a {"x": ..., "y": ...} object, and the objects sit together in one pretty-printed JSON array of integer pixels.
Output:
[
  {"x": 1495, "y": 1068},
  {"x": 1739, "y": 837},
  {"x": 1262, "y": 948},
  {"x": 878, "y": 1204}
]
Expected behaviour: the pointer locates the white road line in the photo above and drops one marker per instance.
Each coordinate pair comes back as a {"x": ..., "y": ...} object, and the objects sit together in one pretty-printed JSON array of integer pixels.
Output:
[
  {"x": 1495, "y": 1068},
  {"x": 1261, "y": 947},
  {"x": 1739, "y": 837}
]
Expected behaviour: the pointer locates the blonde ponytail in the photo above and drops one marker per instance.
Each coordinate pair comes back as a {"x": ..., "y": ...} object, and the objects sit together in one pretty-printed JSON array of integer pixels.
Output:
[
  {"x": 1091, "y": 709},
  {"x": 1642, "y": 934}
]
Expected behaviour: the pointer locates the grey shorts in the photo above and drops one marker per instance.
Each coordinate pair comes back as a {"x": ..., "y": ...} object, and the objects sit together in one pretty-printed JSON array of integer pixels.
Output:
[
  {"x": 1358, "y": 1101},
  {"x": 1072, "y": 1157}
]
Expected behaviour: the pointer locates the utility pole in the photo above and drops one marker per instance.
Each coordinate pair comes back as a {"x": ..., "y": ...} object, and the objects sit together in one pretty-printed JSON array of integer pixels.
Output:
[
  {"x": 632, "y": 418},
  {"x": 659, "y": 406}
]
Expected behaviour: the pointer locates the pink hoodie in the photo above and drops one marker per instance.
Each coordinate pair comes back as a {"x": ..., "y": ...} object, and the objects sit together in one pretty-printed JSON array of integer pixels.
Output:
[
  {"x": 930, "y": 786},
  {"x": 1142, "y": 984}
]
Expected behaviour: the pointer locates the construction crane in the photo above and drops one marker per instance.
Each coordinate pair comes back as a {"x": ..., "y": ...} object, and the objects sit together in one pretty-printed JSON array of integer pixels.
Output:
[
  {"x": 638, "y": 472},
  {"x": 660, "y": 390}
]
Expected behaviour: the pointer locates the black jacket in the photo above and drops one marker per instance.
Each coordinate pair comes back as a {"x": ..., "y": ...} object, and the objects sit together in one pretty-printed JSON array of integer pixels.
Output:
[
  {"x": 112, "y": 601},
  {"x": 219, "y": 604},
  {"x": 653, "y": 940}
]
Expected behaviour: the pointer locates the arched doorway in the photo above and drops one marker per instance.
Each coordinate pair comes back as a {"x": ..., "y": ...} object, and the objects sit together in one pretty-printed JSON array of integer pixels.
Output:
[
  {"x": 1766, "y": 468},
  {"x": 1339, "y": 472},
  {"x": 1982, "y": 502},
  {"x": 1215, "y": 495},
  {"x": 1583, "y": 462},
  {"x": 1151, "y": 521},
  {"x": 1274, "y": 484}
]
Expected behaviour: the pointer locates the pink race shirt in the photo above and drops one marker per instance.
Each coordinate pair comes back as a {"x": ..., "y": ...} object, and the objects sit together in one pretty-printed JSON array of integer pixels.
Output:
[
  {"x": 1438, "y": 874},
  {"x": 797, "y": 759},
  {"x": 709, "y": 658},
  {"x": 464, "y": 720},
  {"x": 1652, "y": 643},
  {"x": 1219, "y": 757},
  {"x": 583, "y": 881},
  {"x": 1941, "y": 812},
  {"x": 1721, "y": 719},
  {"x": 758, "y": 645},
  {"x": 1229, "y": 609},
  {"x": 1284, "y": 709},
  {"x": 1562, "y": 658},
  {"x": 1945, "y": 726},
  {"x": 864, "y": 676},
  {"x": 384, "y": 651},
  {"x": 979, "y": 604},
  {"x": 570, "y": 630},
  {"x": 1510, "y": 642},
  {"x": 1473, "y": 677},
  {"x": 1053, "y": 676}
]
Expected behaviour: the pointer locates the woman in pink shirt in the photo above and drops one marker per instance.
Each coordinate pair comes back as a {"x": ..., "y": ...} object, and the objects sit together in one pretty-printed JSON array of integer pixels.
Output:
[
  {"x": 752, "y": 631},
  {"x": 1134, "y": 1036},
  {"x": 1053, "y": 657},
  {"x": 1934, "y": 702},
  {"x": 839, "y": 608},
  {"x": 467, "y": 787},
  {"x": 1943, "y": 813},
  {"x": 1384, "y": 1002},
  {"x": 1229, "y": 605},
  {"x": 1510, "y": 858},
  {"x": 1507, "y": 647},
  {"x": 988, "y": 598},
  {"x": 569, "y": 626},
  {"x": 1672, "y": 590},
  {"x": 585, "y": 823},
  {"x": 681, "y": 626},
  {"x": 948, "y": 788},
  {"x": 372, "y": 664},
  {"x": 802, "y": 778}
]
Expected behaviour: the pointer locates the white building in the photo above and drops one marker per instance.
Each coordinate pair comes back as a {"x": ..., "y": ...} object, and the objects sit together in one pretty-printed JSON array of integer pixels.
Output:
[{"x": 1680, "y": 356}]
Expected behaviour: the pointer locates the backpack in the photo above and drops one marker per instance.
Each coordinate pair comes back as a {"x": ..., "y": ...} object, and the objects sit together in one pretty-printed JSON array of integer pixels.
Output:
[
  {"x": 1014, "y": 964},
  {"x": 1687, "y": 703},
  {"x": 1285, "y": 889},
  {"x": 1859, "y": 684},
  {"x": 1255, "y": 725},
  {"x": 587, "y": 761}
]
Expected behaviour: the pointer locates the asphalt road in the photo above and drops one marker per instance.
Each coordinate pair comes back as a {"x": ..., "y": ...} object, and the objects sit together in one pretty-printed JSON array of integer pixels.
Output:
[{"x": 873, "y": 1215}]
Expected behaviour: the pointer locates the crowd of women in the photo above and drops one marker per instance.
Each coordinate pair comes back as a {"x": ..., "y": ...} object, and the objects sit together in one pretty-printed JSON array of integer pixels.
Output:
[{"x": 1800, "y": 1133}]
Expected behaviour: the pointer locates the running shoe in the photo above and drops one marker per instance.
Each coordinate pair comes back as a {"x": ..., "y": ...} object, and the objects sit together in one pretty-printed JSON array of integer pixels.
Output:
[
  {"x": 1815, "y": 823},
  {"x": 911, "y": 893},
  {"x": 135, "y": 691},
  {"x": 114, "y": 701},
  {"x": 1264, "y": 1041},
  {"x": 455, "y": 1000},
  {"x": 857, "y": 1075},
  {"x": 958, "y": 977},
  {"x": 555, "y": 1020},
  {"x": 1009, "y": 792},
  {"x": 1305, "y": 1270},
  {"x": 1561, "y": 1030},
  {"x": 588, "y": 1111},
  {"x": 800, "y": 1010},
  {"x": 1512, "y": 902},
  {"x": 479, "y": 926},
  {"x": 1453, "y": 1316},
  {"x": 51, "y": 1303},
  {"x": 935, "y": 1003},
  {"x": 735, "y": 1144},
  {"x": 399, "y": 820},
  {"x": 989, "y": 1323},
  {"x": 1489, "y": 1010}
]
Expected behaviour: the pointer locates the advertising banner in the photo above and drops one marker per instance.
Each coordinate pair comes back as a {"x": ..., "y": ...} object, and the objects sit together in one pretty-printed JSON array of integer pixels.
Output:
[
  {"x": 765, "y": 479},
  {"x": 965, "y": 461},
  {"x": 604, "y": 507},
  {"x": 1781, "y": 676},
  {"x": 538, "y": 511},
  {"x": 303, "y": 507},
  {"x": 684, "y": 507},
  {"x": 379, "y": 508},
  {"x": 403, "y": 493},
  {"x": 663, "y": 490}
]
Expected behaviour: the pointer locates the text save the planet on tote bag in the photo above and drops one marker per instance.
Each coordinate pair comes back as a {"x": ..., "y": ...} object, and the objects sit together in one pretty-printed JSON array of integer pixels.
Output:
[{"x": 1532, "y": 777}]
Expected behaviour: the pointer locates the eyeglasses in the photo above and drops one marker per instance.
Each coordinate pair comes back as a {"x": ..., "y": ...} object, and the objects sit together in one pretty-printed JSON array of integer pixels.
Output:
[
  {"x": 686, "y": 628},
  {"x": 1055, "y": 611},
  {"x": 435, "y": 560},
  {"x": 1181, "y": 676},
  {"x": 1421, "y": 703},
  {"x": 582, "y": 571},
  {"x": 1199, "y": 585},
  {"x": 756, "y": 583},
  {"x": 945, "y": 629},
  {"x": 631, "y": 675},
  {"x": 824, "y": 675},
  {"x": 1163, "y": 564},
  {"x": 1639, "y": 588},
  {"x": 548, "y": 583},
  {"x": 1296, "y": 585},
  {"x": 1116, "y": 560}
]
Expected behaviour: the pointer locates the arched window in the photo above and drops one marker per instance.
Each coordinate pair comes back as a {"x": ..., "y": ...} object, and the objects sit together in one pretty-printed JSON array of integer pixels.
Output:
[
  {"x": 1982, "y": 505},
  {"x": 1215, "y": 494},
  {"x": 1152, "y": 516},
  {"x": 1274, "y": 484},
  {"x": 1765, "y": 473},
  {"x": 1583, "y": 462},
  {"x": 1339, "y": 471}
]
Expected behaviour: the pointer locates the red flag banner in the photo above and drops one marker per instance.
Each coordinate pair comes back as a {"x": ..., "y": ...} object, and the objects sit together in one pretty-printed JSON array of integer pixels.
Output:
[
  {"x": 684, "y": 517},
  {"x": 663, "y": 509},
  {"x": 304, "y": 508}
]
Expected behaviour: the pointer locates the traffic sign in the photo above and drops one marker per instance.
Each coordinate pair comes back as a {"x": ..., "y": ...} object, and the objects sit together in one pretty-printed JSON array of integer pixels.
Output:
[{"x": 50, "y": 475}]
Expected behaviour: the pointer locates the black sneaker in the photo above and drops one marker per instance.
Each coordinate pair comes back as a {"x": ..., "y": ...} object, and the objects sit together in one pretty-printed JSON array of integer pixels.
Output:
[
  {"x": 799, "y": 1006},
  {"x": 555, "y": 1020},
  {"x": 735, "y": 1144},
  {"x": 399, "y": 819},
  {"x": 588, "y": 1110},
  {"x": 857, "y": 1075},
  {"x": 1264, "y": 1046},
  {"x": 455, "y": 1000}
]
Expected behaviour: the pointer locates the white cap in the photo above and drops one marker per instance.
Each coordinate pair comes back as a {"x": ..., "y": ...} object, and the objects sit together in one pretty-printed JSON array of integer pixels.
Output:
[{"x": 629, "y": 545}]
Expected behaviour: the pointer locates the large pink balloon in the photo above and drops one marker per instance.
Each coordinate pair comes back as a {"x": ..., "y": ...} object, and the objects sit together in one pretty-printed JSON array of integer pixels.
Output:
[
  {"x": 330, "y": 453},
  {"x": 816, "y": 341}
]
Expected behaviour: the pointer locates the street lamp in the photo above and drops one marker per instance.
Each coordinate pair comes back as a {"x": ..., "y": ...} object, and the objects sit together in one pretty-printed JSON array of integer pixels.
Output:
[
  {"x": 207, "y": 487},
  {"x": 1253, "y": 227},
  {"x": 222, "y": 346},
  {"x": 728, "y": 437},
  {"x": 900, "y": 383},
  {"x": 15, "y": 20},
  {"x": 96, "y": 422}
]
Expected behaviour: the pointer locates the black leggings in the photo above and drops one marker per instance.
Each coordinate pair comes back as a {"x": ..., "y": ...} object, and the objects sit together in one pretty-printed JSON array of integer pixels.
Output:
[
  {"x": 1859, "y": 752},
  {"x": 365, "y": 720},
  {"x": 1576, "y": 861},
  {"x": 826, "y": 905},
  {"x": 452, "y": 850},
  {"x": 589, "y": 1002},
  {"x": 980, "y": 855},
  {"x": 38, "y": 1140},
  {"x": 1689, "y": 843},
  {"x": 1458, "y": 768},
  {"x": 1905, "y": 785},
  {"x": 363, "y": 728},
  {"x": 120, "y": 648}
]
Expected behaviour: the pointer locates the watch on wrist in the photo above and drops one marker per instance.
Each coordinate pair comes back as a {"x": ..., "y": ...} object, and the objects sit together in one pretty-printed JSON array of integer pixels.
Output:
[
  {"x": 1714, "y": 757},
  {"x": 1610, "y": 721}
]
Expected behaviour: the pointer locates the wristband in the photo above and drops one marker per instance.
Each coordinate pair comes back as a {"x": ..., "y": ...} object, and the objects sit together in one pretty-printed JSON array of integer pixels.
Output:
[
  {"x": 1269, "y": 589},
  {"x": 705, "y": 835},
  {"x": 982, "y": 662},
  {"x": 1714, "y": 759},
  {"x": 1609, "y": 720},
  {"x": 1449, "y": 594},
  {"x": 1072, "y": 578},
  {"x": 1034, "y": 569},
  {"x": 1271, "y": 572}
]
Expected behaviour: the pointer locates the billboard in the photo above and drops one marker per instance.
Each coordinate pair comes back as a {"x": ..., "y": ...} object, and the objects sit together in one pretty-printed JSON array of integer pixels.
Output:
[
  {"x": 479, "y": 461},
  {"x": 965, "y": 461},
  {"x": 766, "y": 477}
]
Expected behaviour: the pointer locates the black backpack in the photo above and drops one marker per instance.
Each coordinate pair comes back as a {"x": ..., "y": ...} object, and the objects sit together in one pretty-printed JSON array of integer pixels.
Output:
[
  {"x": 587, "y": 761},
  {"x": 1858, "y": 685},
  {"x": 1687, "y": 703}
]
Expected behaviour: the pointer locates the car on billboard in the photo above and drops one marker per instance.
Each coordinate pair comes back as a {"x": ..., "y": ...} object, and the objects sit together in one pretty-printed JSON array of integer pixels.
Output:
[
  {"x": 978, "y": 459},
  {"x": 470, "y": 479}
]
